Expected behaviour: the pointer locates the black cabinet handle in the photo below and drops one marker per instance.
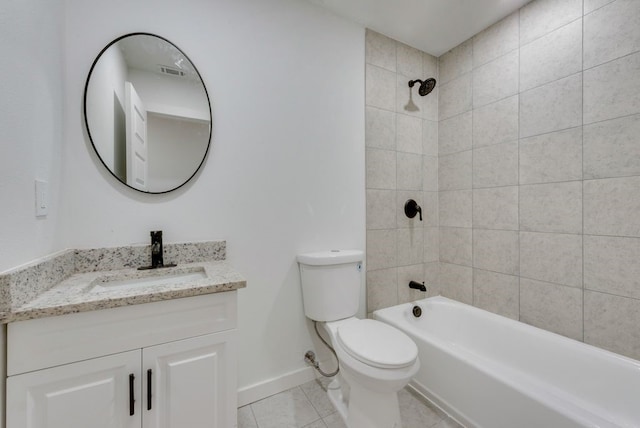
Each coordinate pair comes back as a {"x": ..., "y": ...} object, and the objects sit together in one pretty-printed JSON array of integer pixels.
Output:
[
  {"x": 149, "y": 373},
  {"x": 132, "y": 400}
]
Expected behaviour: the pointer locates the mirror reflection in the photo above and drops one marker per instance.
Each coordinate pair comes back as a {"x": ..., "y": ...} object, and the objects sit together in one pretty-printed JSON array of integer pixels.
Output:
[{"x": 147, "y": 113}]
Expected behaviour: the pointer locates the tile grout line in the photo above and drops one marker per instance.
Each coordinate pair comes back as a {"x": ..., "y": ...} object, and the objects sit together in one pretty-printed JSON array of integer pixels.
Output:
[
  {"x": 582, "y": 154},
  {"x": 519, "y": 216}
]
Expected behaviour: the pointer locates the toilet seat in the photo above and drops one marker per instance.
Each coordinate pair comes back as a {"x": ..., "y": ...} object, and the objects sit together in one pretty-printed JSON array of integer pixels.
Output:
[{"x": 377, "y": 344}]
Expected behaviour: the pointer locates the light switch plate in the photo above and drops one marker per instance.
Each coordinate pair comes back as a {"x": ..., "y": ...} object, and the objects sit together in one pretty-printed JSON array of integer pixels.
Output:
[{"x": 42, "y": 198}]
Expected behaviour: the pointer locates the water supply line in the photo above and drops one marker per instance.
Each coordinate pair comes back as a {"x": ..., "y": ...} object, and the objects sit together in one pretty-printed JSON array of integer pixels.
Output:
[{"x": 310, "y": 356}]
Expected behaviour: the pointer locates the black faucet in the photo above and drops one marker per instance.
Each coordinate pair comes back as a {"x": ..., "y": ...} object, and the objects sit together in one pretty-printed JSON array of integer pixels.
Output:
[
  {"x": 417, "y": 286},
  {"x": 157, "y": 252}
]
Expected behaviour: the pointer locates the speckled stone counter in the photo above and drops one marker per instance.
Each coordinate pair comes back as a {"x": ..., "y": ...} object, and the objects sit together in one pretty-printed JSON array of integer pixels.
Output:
[{"x": 72, "y": 280}]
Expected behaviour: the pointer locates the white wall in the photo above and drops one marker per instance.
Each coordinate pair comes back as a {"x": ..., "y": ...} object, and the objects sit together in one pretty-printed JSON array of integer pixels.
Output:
[
  {"x": 286, "y": 169},
  {"x": 31, "y": 94}
]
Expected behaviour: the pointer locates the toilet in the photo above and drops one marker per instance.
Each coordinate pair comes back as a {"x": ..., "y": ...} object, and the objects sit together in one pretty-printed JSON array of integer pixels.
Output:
[{"x": 376, "y": 360}]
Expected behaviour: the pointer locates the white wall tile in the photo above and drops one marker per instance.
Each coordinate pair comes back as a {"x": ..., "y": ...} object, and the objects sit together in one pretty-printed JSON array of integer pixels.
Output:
[
  {"x": 495, "y": 165},
  {"x": 380, "y": 50},
  {"x": 405, "y": 275},
  {"x": 382, "y": 288},
  {"x": 554, "y": 207},
  {"x": 454, "y": 97},
  {"x": 430, "y": 104},
  {"x": 408, "y": 101},
  {"x": 456, "y": 245},
  {"x": 426, "y": 203},
  {"x": 552, "y": 57},
  {"x": 430, "y": 66},
  {"x": 551, "y": 257},
  {"x": 380, "y": 88},
  {"x": 611, "y": 265},
  {"x": 552, "y": 107},
  {"x": 611, "y": 148},
  {"x": 543, "y": 16},
  {"x": 456, "y": 62},
  {"x": 454, "y": 134},
  {"x": 552, "y": 157},
  {"x": 496, "y": 250},
  {"x": 431, "y": 244},
  {"x": 380, "y": 129},
  {"x": 496, "y": 80},
  {"x": 456, "y": 282},
  {"x": 408, "y": 134},
  {"x": 409, "y": 61},
  {"x": 497, "y": 293},
  {"x": 430, "y": 173},
  {"x": 497, "y": 40},
  {"x": 380, "y": 169},
  {"x": 431, "y": 279},
  {"x": 611, "y": 32},
  {"x": 454, "y": 171},
  {"x": 611, "y": 322},
  {"x": 591, "y": 5},
  {"x": 611, "y": 90},
  {"x": 429, "y": 137},
  {"x": 496, "y": 123},
  {"x": 611, "y": 206},
  {"x": 381, "y": 249},
  {"x": 496, "y": 208},
  {"x": 409, "y": 171},
  {"x": 381, "y": 211},
  {"x": 410, "y": 246},
  {"x": 556, "y": 308},
  {"x": 430, "y": 208},
  {"x": 455, "y": 208}
]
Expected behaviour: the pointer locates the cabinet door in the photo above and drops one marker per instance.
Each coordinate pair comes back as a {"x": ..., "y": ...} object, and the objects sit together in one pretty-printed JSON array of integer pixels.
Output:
[
  {"x": 192, "y": 383},
  {"x": 93, "y": 393}
]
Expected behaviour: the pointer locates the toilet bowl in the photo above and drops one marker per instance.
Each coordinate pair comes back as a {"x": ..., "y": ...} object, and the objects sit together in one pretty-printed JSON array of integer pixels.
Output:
[{"x": 375, "y": 359}]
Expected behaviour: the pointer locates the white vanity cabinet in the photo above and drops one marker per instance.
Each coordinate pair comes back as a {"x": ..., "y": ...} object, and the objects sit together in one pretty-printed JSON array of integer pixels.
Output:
[{"x": 168, "y": 364}]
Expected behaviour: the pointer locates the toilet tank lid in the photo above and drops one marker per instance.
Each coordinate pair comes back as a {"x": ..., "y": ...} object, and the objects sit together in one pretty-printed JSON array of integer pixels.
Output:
[{"x": 330, "y": 257}]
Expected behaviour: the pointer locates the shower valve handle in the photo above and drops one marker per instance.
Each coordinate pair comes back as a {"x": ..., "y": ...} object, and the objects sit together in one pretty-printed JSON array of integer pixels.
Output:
[{"x": 411, "y": 208}]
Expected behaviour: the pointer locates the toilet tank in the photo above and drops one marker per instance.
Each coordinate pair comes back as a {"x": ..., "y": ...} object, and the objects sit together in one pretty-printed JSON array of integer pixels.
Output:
[{"x": 331, "y": 283}]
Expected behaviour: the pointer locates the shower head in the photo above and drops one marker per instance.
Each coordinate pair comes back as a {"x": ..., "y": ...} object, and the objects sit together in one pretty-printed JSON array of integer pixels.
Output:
[{"x": 425, "y": 86}]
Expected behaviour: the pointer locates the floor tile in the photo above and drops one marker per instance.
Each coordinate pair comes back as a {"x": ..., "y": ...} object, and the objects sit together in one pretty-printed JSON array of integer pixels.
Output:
[
  {"x": 245, "y": 418},
  {"x": 307, "y": 406},
  {"x": 416, "y": 412},
  {"x": 289, "y": 409},
  {"x": 317, "y": 395},
  {"x": 334, "y": 421},
  {"x": 317, "y": 424}
]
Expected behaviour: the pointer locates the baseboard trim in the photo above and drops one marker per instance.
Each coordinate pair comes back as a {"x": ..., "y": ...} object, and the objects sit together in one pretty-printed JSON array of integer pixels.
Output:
[{"x": 260, "y": 390}]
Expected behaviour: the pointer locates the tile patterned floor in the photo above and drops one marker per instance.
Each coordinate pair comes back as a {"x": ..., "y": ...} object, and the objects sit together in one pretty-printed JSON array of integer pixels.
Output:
[{"x": 307, "y": 406}]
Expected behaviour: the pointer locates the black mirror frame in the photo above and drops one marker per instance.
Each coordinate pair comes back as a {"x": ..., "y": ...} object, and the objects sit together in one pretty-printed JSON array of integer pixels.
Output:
[{"x": 86, "y": 122}]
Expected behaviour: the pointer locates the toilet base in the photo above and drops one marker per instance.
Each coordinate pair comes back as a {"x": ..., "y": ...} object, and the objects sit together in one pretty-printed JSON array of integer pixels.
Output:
[
  {"x": 363, "y": 408},
  {"x": 338, "y": 399}
]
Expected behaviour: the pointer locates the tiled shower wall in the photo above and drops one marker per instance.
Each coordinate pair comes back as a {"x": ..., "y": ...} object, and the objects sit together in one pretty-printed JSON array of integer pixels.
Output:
[
  {"x": 401, "y": 164},
  {"x": 539, "y": 170}
]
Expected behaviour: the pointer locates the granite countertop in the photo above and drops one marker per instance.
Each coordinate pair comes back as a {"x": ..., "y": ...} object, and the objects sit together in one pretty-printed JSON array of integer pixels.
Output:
[{"x": 86, "y": 280}]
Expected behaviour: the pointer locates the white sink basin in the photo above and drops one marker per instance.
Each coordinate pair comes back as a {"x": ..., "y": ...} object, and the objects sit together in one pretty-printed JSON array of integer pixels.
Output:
[{"x": 149, "y": 278}]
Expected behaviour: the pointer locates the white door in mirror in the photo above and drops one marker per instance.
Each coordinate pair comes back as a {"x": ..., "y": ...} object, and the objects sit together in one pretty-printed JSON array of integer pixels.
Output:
[{"x": 136, "y": 124}]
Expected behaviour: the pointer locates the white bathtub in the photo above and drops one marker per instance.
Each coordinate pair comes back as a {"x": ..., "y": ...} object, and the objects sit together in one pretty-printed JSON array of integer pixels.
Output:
[{"x": 493, "y": 372}]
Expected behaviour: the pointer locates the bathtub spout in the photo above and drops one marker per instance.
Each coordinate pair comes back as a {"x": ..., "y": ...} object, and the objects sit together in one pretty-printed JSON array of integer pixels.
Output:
[{"x": 417, "y": 286}]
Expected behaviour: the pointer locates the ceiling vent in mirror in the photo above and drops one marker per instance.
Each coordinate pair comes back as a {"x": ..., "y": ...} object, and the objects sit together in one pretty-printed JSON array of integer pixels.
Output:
[{"x": 171, "y": 71}]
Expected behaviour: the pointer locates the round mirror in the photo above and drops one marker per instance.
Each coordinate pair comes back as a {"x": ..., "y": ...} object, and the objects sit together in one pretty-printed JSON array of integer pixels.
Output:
[{"x": 147, "y": 113}]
